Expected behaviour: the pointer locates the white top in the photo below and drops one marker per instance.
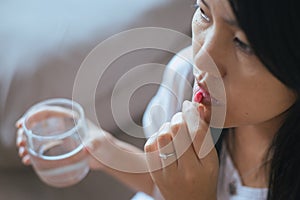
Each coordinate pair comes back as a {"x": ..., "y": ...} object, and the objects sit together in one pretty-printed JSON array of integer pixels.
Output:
[
  {"x": 174, "y": 90},
  {"x": 230, "y": 185}
]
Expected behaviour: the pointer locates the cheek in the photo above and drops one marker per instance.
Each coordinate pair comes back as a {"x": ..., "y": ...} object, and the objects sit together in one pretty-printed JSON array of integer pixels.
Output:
[
  {"x": 241, "y": 112},
  {"x": 198, "y": 34},
  {"x": 250, "y": 105},
  {"x": 238, "y": 112},
  {"x": 197, "y": 41}
]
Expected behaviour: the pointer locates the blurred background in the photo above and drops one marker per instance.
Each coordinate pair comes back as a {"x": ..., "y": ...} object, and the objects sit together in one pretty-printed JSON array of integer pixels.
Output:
[{"x": 42, "y": 45}]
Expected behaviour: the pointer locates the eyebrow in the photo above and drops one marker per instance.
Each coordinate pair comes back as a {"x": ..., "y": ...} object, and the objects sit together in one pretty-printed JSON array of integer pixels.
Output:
[
  {"x": 228, "y": 21},
  {"x": 205, "y": 3},
  {"x": 232, "y": 23}
]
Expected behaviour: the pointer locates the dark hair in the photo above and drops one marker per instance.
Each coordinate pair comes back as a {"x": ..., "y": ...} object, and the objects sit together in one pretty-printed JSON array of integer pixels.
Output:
[{"x": 273, "y": 30}]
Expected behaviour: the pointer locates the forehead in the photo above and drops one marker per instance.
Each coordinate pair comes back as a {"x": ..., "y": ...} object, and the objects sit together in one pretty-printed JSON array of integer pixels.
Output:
[{"x": 222, "y": 8}]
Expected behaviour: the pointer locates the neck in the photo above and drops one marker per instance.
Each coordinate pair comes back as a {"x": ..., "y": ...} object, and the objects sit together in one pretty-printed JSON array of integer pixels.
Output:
[
  {"x": 255, "y": 139},
  {"x": 249, "y": 146}
]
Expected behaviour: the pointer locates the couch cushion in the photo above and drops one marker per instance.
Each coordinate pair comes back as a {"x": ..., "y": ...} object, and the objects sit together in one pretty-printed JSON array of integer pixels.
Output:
[{"x": 43, "y": 44}]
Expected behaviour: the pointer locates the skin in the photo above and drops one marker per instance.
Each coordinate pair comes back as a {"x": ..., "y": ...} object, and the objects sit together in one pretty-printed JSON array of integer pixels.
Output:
[
  {"x": 256, "y": 102},
  {"x": 254, "y": 95},
  {"x": 99, "y": 140}
]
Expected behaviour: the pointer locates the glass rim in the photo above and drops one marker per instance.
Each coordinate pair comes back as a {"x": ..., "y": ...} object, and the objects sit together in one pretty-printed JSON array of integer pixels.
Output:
[{"x": 54, "y": 101}]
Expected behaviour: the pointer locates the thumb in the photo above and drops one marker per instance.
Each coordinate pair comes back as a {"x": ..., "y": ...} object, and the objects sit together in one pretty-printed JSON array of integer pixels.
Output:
[
  {"x": 92, "y": 144},
  {"x": 192, "y": 116},
  {"x": 199, "y": 130},
  {"x": 94, "y": 136}
]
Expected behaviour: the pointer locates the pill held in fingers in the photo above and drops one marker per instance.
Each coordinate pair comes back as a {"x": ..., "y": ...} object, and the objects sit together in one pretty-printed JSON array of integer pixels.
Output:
[{"x": 198, "y": 97}]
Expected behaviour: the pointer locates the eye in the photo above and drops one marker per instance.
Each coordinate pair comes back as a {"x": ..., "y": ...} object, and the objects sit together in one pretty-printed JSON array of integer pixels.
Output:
[
  {"x": 202, "y": 12},
  {"x": 203, "y": 15},
  {"x": 243, "y": 46}
]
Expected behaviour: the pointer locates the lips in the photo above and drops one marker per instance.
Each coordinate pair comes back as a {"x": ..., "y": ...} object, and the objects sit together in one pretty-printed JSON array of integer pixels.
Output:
[{"x": 201, "y": 95}]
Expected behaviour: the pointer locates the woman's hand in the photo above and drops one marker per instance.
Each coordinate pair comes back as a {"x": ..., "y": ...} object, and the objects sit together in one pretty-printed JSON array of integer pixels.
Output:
[
  {"x": 182, "y": 158},
  {"x": 94, "y": 141},
  {"x": 21, "y": 143}
]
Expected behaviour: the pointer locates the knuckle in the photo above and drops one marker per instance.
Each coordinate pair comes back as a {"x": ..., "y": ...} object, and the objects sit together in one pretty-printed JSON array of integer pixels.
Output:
[
  {"x": 179, "y": 129},
  {"x": 96, "y": 143},
  {"x": 190, "y": 177},
  {"x": 149, "y": 148},
  {"x": 150, "y": 145},
  {"x": 164, "y": 138},
  {"x": 175, "y": 128},
  {"x": 177, "y": 122}
]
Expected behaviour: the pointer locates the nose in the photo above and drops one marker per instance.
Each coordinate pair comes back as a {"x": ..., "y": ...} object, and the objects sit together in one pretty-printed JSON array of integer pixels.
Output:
[{"x": 212, "y": 54}]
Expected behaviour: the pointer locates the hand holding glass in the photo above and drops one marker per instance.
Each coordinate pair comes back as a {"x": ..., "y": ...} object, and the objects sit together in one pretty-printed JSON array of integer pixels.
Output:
[{"x": 55, "y": 130}]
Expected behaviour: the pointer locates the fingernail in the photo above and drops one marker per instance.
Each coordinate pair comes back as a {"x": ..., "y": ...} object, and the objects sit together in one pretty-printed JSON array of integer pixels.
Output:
[
  {"x": 19, "y": 123},
  {"x": 21, "y": 151},
  {"x": 148, "y": 147},
  {"x": 26, "y": 160},
  {"x": 201, "y": 111},
  {"x": 164, "y": 140},
  {"x": 19, "y": 141}
]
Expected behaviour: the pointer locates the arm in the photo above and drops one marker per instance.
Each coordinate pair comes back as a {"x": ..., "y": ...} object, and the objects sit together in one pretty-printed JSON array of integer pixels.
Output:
[
  {"x": 105, "y": 153},
  {"x": 121, "y": 160},
  {"x": 107, "y": 148},
  {"x": 169, "y": 97}
]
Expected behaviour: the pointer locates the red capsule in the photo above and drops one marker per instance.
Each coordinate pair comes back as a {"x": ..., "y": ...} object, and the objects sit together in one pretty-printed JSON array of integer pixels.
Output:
[{"x": 198, "y": 97}]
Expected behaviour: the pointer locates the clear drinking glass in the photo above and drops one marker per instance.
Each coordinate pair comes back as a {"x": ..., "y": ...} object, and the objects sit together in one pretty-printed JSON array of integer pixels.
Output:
[{"x": 55, "y": 130}]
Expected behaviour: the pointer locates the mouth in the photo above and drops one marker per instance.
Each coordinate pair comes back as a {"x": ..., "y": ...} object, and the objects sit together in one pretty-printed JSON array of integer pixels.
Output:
[{"x": 201, "y": 95}]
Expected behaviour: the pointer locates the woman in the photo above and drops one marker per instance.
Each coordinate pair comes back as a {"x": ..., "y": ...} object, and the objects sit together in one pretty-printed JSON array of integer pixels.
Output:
[{"x": 254, "y": 45}]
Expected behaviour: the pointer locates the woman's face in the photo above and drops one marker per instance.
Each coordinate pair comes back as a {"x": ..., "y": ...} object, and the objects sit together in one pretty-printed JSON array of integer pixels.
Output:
[{"x": 253, "y": 94}]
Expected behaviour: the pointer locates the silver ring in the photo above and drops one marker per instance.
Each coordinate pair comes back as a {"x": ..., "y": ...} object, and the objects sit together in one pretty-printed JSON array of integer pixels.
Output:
[{"x": 165, "y": 156}]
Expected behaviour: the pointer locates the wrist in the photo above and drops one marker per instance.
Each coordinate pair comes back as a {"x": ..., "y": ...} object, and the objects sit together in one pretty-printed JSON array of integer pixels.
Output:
[{"x": 98, "y": 149}]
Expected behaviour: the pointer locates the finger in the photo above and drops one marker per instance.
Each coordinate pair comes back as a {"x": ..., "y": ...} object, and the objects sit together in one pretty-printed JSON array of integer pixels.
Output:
[
  {"x": 152, "y": 154},
  {"x": 166, "y": 149},
  {"x": 191, "y": 115},
  {"x": 26, "y": 160},
  {"x": 23, "y": 152},
  {"x": 199, "y": 130},
  {"x": 97, "y": 140},
  {"x": 21, "y": 139},
  {"x": 19, "y": 122},
  {"x": 182, "y": 142}
]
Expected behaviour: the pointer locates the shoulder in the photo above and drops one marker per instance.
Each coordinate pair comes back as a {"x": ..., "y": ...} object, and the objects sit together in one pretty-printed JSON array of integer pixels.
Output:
[{"x": 175, "y": 87}]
